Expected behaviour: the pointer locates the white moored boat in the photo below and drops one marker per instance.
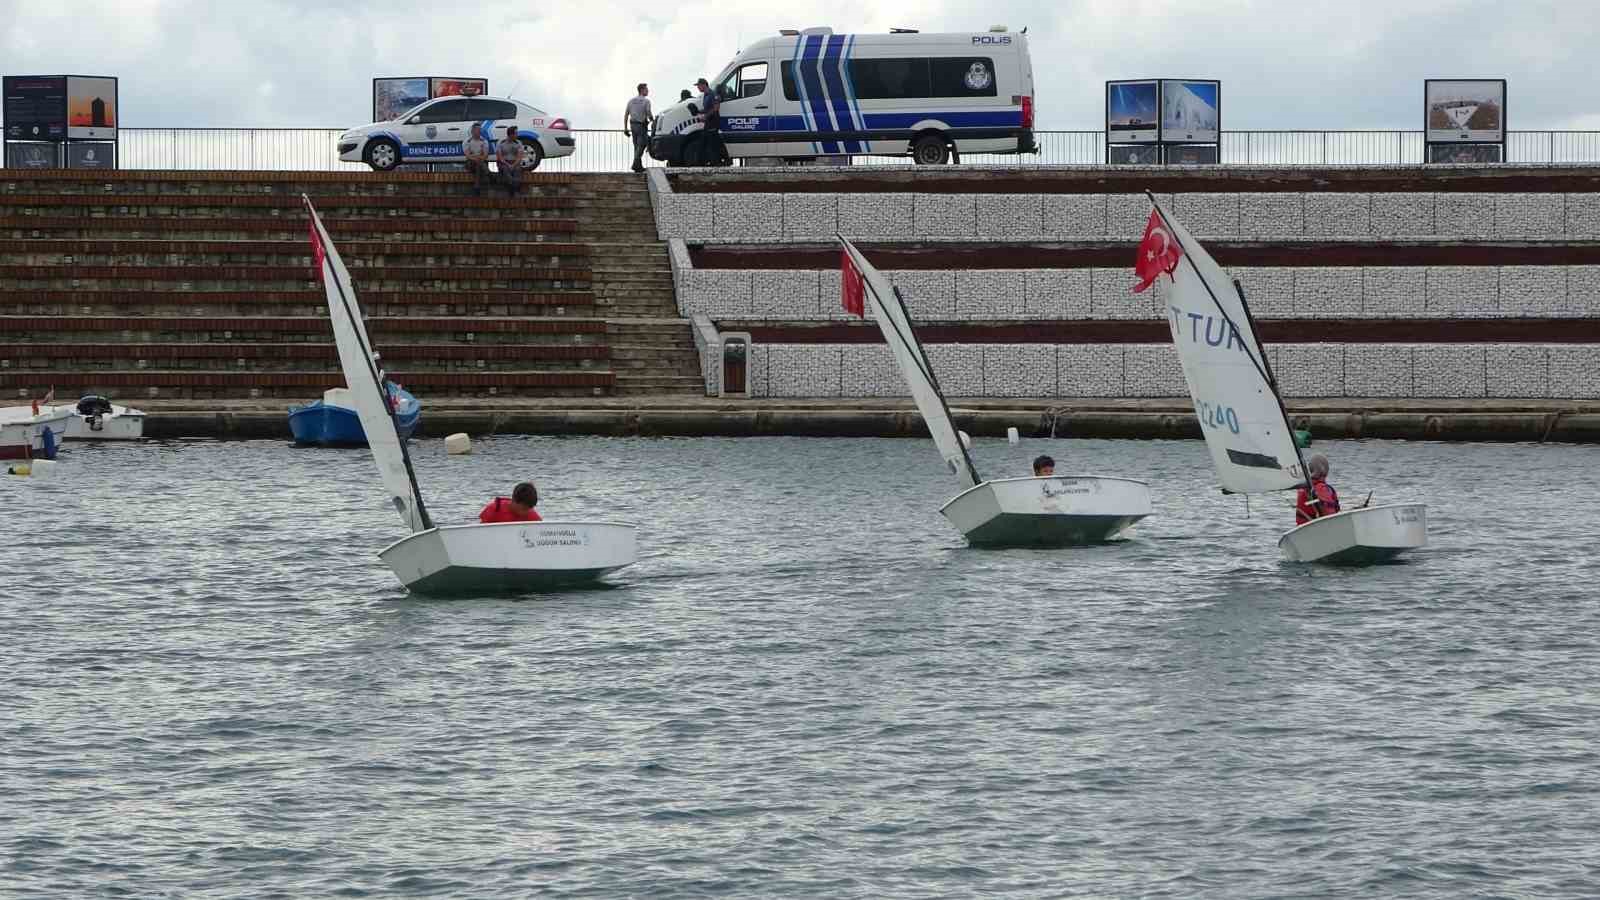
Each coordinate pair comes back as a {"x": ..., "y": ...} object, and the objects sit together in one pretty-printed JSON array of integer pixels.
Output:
[
  {"x": 1043, "y": 511},
  {"x": 25, "y": 434},
  {"x": 1242, "y": 417},
  {"x": 513, "y": 556},
  {"x": 94, "y": 418}
]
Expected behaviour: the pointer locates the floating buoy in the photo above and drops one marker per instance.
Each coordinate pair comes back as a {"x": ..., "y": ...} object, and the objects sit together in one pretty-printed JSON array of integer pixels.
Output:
[
  {"x": 1013, "y": 437},
  {"x": 457, "y": 444},
  {"x": 966, "y": 439}
]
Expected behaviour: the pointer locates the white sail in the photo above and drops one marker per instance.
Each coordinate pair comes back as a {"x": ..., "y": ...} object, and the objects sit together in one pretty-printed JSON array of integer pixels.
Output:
[
  {"x": 895, "y": 323},
  {"x": 365, "y": 379},
  {"x": 1252, "y": 446}
]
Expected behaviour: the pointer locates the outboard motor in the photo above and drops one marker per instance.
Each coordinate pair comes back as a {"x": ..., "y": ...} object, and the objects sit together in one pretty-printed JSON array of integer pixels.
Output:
[{"x": 92, "y": 407}]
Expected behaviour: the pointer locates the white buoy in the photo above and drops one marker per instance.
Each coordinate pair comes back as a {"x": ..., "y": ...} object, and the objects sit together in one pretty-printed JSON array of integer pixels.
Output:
[
  {"x": 1013, "y": 437},
  {"x": 457, "y": 444},
  {"x": 966, "y": 439},
  {"x": 43, "y": 468}
]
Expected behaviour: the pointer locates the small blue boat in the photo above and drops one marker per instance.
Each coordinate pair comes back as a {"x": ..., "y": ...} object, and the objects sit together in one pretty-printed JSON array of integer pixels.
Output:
[{"x": 332, "y": 421}]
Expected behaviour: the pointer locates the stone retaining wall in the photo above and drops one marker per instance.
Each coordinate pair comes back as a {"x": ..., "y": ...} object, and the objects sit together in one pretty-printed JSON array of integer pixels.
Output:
[
  {"x": 1153, "y": 370},
  {"x": 1444, "y": 292},
  {"x": 777, "y": 218}
]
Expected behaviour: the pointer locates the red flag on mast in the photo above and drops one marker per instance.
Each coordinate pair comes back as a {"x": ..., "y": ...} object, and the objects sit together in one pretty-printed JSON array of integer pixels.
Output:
[
  {"x": 1158, "y": 253},
  {"x": 317, "y": 253},
  {"x": 852, "y": 286}
]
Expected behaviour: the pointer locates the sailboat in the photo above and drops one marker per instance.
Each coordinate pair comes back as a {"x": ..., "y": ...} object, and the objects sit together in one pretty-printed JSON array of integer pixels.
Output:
[
  {"x": 1241, "y": 414},
  {"x": 1036, "y": 511},
  {"x": 448, "y": 559}
]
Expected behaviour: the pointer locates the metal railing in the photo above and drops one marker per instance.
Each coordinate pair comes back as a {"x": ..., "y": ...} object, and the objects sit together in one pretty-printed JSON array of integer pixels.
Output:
[{"x": 313, "y": 149}]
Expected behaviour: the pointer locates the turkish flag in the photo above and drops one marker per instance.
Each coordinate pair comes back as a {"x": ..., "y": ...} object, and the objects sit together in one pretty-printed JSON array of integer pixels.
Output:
[
  {"x": 317, "y": 253},
  {"x": 1158, "y": 253},
  {"x": 852, "y": 287}
]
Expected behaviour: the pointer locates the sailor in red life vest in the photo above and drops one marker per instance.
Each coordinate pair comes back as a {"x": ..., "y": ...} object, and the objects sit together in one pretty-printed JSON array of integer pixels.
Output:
[
  {"x": 517, "y": 508},
  {"x": 1327, "y": 499}
]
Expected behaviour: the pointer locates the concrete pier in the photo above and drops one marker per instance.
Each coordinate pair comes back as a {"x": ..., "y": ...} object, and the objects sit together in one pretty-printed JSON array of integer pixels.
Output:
[{"x": 692, "y": 416}]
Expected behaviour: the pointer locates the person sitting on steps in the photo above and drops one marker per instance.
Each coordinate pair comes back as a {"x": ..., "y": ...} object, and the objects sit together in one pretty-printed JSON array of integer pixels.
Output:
[
  {"x": 519, "y": 507},
  {"x": 508, "y": 155},
  {"x": 476, "y": 150}
]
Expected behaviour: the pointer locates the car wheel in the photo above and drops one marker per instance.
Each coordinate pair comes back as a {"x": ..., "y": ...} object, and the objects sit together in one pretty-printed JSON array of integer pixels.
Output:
[
  {"x": 383, "y": 155},
  {"x": 533, "y": 155},
  {"x": 930, "y": 150}
]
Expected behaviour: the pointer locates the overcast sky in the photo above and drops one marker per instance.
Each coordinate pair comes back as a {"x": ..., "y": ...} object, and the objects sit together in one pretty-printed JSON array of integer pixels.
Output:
[{"x": 1336, "y": 64}]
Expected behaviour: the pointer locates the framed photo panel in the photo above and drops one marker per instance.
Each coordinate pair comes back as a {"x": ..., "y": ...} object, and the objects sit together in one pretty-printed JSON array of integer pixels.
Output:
[
  {"x": 1191, "y": 111},
  {"x": 394, "y": 97},
  {"x": 1133, "y": 112},
  {"x": 1464, "y": 109}
]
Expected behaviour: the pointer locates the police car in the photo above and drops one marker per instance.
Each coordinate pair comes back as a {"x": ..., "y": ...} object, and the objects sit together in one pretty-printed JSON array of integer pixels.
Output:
[{"x": 434, "y": 131}]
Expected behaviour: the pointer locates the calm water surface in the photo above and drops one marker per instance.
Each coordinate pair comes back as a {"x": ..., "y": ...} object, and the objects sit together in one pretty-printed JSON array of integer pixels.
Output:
[{"x": 807, "y": 686}]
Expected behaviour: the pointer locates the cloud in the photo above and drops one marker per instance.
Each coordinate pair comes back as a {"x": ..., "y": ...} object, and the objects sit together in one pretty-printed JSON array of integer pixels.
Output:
[{"x": 1356, "y": 64}]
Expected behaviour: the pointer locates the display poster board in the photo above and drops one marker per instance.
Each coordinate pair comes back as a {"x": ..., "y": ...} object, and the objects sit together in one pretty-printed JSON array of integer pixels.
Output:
[
  {"x": 394, "y": 97},
  {"x": 457, "y": 87},
  {"x": 1133, "y": 111},
  {"x": 35, "y": 107},
  {"x": 91, "y": 108},
  {"x": 1191, "y": 111},
  {"x": 1464, "y": 110},
  {"x": 32, "y": 155},
  {"x": 1192, "y": 154},
  {"x": 1134, "y": 155},
  {"x": 1464, "y": 154},
  {"x": 91, "y": 155}
]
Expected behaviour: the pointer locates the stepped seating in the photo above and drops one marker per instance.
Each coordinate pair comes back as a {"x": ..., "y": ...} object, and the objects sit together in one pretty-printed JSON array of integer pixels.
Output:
[{"x": 199, "y": 285}]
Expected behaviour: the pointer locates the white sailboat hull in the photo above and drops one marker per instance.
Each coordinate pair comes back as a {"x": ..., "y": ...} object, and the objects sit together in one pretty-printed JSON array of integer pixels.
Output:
[
  {"x": 1048, "y": 511},
  {"x": 510, "y": 557},
  {"x": 1364, "y": 536}
]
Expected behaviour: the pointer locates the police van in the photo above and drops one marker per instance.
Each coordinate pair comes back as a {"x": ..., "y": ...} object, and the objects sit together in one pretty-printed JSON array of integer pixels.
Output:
[{"x": 813, "y": 93}]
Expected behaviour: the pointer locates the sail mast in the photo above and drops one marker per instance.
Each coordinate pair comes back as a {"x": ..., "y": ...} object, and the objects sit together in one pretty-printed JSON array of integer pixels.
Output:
[
  {"x": 1272, "y": 382},
  {"x": 330, "y": 267},
  {"x": 927, "y": 368},
  {"x": 894, "y": 321},
  {"x": 388, "y": 404}
]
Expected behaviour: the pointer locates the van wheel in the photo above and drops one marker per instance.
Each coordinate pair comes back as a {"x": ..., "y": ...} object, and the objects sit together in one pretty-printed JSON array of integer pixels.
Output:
[
  {"x": 690, "y": 152},
  {"x": 383, "y": 155},
  {"x": 930, "y": 150}
]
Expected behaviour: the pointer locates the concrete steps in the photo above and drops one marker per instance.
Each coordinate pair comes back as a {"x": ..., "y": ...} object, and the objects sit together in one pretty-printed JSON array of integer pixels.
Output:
[{"x": 112, "y": 282}]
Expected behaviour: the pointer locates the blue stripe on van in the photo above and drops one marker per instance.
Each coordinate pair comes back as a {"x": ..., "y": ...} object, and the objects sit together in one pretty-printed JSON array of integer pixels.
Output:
[
  {"x": 794, "y": 66},
  {"x": 850, "y": 91},
  {"x": 1011, "y": 118},
  {"x": 810, "y": 72},
  {"x": 836, "y": 95}
]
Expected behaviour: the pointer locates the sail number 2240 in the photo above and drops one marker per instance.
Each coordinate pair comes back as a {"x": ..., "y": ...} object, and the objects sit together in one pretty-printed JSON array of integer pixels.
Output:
[{"x": 1213, "y": 415}]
